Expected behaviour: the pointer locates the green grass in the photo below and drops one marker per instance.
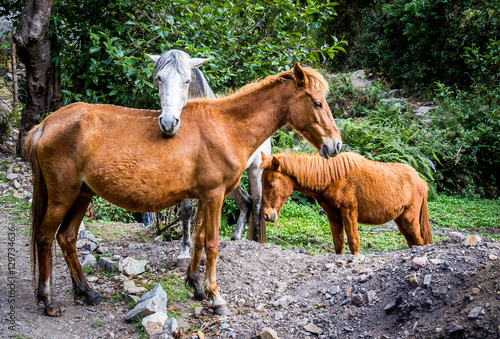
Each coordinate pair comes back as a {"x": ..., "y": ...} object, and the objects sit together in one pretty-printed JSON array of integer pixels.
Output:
[
  {"x": 97, "y": 323},
  {"x": 461, "y": 213}
]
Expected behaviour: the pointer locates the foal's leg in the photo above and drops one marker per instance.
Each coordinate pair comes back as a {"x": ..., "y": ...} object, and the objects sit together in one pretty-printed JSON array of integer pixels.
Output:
[
  {"x": 244, "y": 202},
  {"x": 186, "y": 244},
  {"x": 67, "y": 237},
  {"x": 211, "y": 218},
  {"x": 350, "y": 222},
  {"x": 337, "y": 229},
  {"x": 192, "y": 277}
]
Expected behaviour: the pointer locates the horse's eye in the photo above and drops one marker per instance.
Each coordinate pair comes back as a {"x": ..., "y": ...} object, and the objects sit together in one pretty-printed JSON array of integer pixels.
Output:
[
  {"x": 272, "y": 185},
  {"x": 187, "y": 81},
  {"x": 318, "y": 104},
  {"x": 159, "y": 80}
]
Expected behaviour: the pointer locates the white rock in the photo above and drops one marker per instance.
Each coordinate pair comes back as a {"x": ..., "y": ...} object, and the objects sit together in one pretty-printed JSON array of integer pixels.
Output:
[
  {"x": 129, "y": 266},
  {"x": 154, "y": 323}
]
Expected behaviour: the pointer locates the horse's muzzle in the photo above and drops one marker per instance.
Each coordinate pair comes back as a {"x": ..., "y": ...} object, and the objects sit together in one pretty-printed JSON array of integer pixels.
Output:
[
  {"x": 270, "y": 216},
  {"x": 169, "y": 128},
  {"x": 330, "y": 148}
]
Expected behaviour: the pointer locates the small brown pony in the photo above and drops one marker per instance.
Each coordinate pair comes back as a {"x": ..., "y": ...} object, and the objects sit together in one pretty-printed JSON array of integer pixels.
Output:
[
  {"x": 82, "y": 150},
  {"x": 350, "y": 188}
]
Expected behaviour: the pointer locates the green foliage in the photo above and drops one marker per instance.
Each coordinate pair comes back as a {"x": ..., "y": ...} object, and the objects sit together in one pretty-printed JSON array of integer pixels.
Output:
[
  {"x": 106, "y": 211},
  {"x": 465, "y": 134},
  {"x": 416, "y": 43}
]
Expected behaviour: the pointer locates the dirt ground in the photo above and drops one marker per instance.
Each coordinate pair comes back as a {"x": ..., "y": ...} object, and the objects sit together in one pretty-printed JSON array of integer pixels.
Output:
[{"x": 297, "y": 295}]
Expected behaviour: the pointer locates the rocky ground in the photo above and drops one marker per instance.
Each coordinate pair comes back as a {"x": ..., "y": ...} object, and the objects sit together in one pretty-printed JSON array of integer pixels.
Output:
[{"x": 446, "y": 290}]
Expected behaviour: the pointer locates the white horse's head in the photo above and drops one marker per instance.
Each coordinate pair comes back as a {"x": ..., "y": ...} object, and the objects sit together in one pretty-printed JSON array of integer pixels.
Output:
[{"x": 175, "y": 73}]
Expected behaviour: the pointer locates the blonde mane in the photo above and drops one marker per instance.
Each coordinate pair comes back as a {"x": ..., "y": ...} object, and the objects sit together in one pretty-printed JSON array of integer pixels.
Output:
[{"x": 312, "y": 171}]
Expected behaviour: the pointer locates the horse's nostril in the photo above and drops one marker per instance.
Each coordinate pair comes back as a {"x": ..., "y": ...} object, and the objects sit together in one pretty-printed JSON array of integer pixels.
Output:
[
  {"x": 338, "y": 146},
  {"x": 266, "y": 216}
]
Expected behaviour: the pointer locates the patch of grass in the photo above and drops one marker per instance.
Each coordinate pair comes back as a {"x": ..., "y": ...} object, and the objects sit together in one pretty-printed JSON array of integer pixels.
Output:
[
  {"x": 109, "y": 231},
  {"x": 462, "y": 213},
  {"x": 117, "y": 296},
  {"x": 19, "y": 336},
  {"x": 173, "y": 284},
  {"x": 15, "y": 205},
  {"x": 87, "y": 269},
  {"x": 97, "y": 323}
]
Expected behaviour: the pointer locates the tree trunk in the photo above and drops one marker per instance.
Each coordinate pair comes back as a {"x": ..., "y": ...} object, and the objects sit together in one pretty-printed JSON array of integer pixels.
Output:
[
  {"x": 33, "y": 49},
  {"x": 14, "y": 73}
]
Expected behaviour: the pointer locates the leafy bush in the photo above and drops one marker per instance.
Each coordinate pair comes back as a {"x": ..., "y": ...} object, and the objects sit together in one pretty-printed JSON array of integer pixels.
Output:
[
  {"x": 105, "y": 211},
  {"x": 415, "y": 43}
]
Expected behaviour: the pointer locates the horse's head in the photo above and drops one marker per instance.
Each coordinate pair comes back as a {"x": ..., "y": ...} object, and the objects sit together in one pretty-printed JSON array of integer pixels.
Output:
[
  {"x": 309, "y": 112},
  {"x": 174, "y": 71},
  {"x": 276, "y": 188}
]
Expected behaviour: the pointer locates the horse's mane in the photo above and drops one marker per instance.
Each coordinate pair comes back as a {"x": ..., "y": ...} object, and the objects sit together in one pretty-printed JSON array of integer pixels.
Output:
[
  {"x": 316, "y": 80},
  {"x": 312, "y": 171}
]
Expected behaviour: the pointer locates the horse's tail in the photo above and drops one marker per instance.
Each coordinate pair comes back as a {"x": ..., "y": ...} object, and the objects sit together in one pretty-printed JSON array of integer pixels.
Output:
[
  {"x": 39, "y": 203},
  {"x": 425, "y": 227}
]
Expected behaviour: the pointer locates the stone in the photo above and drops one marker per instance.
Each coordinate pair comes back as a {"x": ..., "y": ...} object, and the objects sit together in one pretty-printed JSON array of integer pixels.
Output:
[
  {"x": 425, "y": 109},
  {"x": 427, "y": 280},
  {"x": 278, "y": 315},
  {"x": 90, "y": 245},
  {"x": 357, "y": 299},
  {"x": 116, "y": 257},
  {"x": 87, "y": 235},
  {"x": 370, "y": 296},
  {"x": 224, "y": 326},
  {"x": 107, "y": 264},
  {"x": 283, "y": 301},
  {"x": 197, "y": 311},
  {"x": 103, "y": 250},
  {"x": 472, "y": 240},
  {"x": 130, "y": 297},
  {"x": 413, "y": 281},
  {"x": 436, "y": 261},
  {"x": 129, "y": 266},
  {"x": 453, "y": 329},
  {"x": 89, "y": 260},
  {"x": 154, "y": 323},
  {"x": 418, "y": 262},
  {"x": 159, "y": 238},
  {"x": 129, "y": 287},
  {"x": 151, "y": 302},
  {"x": 11, "y": 176},
  {"x": 392, "y": 102},
  {"x": 456, "y": 236},
  {"x": 80, "y": 243},
  {"x": 171, "y": 326},
  {"x": 391, "y": 306},
  {"x": 313, "y": 328},
  {"x": 394, "y": 93},
  {"x": 268, "y": 333},
  {"x": 492, "y": 257},
  {"x": 334, "y": 290},
  {"x": 475, "y": 312}
]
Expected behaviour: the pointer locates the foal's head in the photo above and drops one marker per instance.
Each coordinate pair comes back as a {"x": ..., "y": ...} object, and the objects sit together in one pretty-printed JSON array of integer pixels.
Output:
[
  {"x": 276, "y": 188},
  {"x": 309, "y": 112},
  {"x": 175, "y": 73}
]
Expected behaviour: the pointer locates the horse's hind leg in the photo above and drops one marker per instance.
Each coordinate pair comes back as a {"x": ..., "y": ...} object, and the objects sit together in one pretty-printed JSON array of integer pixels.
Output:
[
  {"x": 244, "y": 202},
  {"x": 408, "y": 224},
  {"x": 337, "y": 229},
  {"x": 350, "y": 222},
  {"x": 186, "y": 244},
  {"x": 44, "y": 237},
  {"x": 67, "y": 237}
]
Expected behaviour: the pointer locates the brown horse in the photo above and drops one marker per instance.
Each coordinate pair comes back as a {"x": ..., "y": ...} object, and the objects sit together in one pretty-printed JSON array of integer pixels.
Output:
[
  {"x": 350, "y": 188},
  {"x": 82, "y": 150}
]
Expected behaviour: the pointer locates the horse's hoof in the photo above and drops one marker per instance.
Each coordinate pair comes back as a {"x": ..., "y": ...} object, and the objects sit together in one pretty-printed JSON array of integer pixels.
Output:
[
  {"x": 222, "y": 310},
  {"x": 93, "y": 298},
  {"x": 198, "y": 295},
  {"x": 52, "y": 311}
]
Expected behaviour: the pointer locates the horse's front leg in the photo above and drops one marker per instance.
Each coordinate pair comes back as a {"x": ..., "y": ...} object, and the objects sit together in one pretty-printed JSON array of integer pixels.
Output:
[
  {"x": 186, "y": 244},
  {"x": 193, "y": 272},
  {"x": 211, "y": 218}
]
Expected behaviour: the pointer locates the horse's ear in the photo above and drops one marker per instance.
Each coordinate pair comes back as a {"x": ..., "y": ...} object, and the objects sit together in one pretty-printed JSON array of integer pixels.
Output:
[
  {"x": 263, "y": 155},
  {"x": 276, "y": 164},
  {"x": 197, "y": 62},
  {"x": 300, "y": 76},
  {"x": 154, "y": 58}
]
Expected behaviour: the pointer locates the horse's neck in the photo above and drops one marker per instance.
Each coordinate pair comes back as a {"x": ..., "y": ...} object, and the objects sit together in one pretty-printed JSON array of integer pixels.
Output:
[{"x": 257, "y": 114}]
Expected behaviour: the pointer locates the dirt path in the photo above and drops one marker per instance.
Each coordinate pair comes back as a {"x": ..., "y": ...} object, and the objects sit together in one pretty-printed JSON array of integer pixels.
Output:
[{"x": 295, "y": 294}]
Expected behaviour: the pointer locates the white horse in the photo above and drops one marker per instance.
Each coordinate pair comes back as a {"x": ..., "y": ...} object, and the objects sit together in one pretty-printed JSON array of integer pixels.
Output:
[{"x": 179, "y": 80}]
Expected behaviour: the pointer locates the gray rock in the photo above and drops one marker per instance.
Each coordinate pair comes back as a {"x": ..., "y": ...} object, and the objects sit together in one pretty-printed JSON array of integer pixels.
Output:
[
  {"x": 11, "y": 176},
  {"x": 427, "y": 280},
  {"x": 278, "y": 315},
  {"x": 90, "y": 245},
  {"x": 425, "y": 109},
  {"x": 87, "y": 235},
  {"x": 156, "y": 291},
  {"x": 284, "y": 301},
  {"x": 171, "y": 326},
  {"x": 129, "y": 266},
  {"x": 159, "y": 238},
  {"x": 392, "y": 102},
  {"x": 224, "y": 326},
  {"x": 313, "y": 328},
  {"x": 150, "y": 303},
  {"x": 334, "y": 290},
  {"x": 475, "y": 312},
  {"x": 197, "y": 311},
  {"x": 89, "y": 260},
  {"x": 268, "y": 333},
  {"x": 154, "y": 323},
  {"x": 129, "y": 287},
  {"x": 107, "y": 264},
  {"x": 391, "y": 306},
  {"x": 102, "y": 250},
  {"x": 370, "y": 296},
  {"x": 357, "y": 299},
  {"x": 418, "y": 262},
  {"x": 456, "y": 236},
  {"x": 394, "y": 93}
]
